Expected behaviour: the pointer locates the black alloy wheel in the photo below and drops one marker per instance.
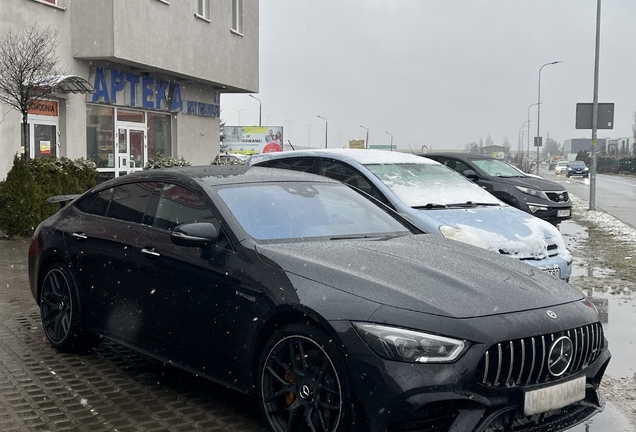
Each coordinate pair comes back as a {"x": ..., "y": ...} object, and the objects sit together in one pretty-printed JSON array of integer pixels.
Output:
[
  {"x": 302, "y": 382},
  {"x": 60, "y": 311}
]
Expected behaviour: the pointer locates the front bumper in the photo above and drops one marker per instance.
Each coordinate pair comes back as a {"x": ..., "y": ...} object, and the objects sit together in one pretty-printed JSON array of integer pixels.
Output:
[{"x": 395, "y": 396}]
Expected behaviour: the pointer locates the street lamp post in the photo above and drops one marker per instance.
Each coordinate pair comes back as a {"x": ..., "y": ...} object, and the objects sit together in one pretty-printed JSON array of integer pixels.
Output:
[
  {"x": 391, "y": 145},
  {"x": 309, "y": 134},
  {"x": 289, "y": 122},
  {"x": 260, "y": 109},
  {"x": 366, "y": 141},
  {"x": 528, "y": 125},
  {"x": 326, "y": 124},
  {"x": 239, "y": 114},
  {"x": 267, "y": 118},
  {"x": 539, "y": 111}
]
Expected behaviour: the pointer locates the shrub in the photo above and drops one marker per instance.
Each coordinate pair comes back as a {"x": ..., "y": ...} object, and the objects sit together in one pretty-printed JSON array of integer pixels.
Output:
[
  {"x": 20, "y": 201},
  {"x": 23, "y": 195},
  {"x": 161, "y": 161}
]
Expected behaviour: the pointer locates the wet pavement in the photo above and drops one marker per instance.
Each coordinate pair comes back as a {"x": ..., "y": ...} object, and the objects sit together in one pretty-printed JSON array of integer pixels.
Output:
[{"x": 112, "y": 388}]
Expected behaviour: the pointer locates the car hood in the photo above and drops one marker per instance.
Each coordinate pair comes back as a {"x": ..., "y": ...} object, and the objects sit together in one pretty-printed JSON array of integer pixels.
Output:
[
  {"x": 422, "y": 273},
  {"x": 502, "y": 229},
  {"x": 530, "y": 182}
]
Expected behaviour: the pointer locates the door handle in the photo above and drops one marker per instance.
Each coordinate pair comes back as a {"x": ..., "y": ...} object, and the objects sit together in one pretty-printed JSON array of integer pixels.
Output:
[
  {"x": 150, "y": 253},
  {"x": 79, "y": 236}
]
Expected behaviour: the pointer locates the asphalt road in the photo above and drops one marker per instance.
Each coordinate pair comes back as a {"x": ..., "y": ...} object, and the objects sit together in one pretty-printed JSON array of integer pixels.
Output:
[{"x": 616, "y": 194}]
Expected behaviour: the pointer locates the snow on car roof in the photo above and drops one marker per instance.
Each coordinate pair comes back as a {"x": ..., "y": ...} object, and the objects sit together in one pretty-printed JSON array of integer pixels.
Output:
[{"x": 364, "y": 156}]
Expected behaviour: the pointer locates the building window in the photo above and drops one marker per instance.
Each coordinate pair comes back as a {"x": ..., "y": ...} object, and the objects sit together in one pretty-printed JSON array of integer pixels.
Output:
[
  {"x": 237, "y": 16},
  {"x": 159, "y": 135},
  {"x": 100, "y": 142},
  {"x": 203, "y": 9}
]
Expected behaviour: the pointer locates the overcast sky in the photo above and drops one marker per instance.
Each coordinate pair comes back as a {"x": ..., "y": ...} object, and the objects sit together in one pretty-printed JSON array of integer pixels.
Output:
[{"x": 440, "y": 73}]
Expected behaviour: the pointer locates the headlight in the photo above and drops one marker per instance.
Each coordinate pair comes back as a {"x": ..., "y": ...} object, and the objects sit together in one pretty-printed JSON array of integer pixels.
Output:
[
  {"x": 393, "y": 343},
  {"x": 533, "y": 192},
  {"x": 453, "y": 233}
]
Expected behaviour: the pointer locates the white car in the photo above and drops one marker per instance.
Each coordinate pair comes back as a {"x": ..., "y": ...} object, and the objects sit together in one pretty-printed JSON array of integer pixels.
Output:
[{"x": 561, "y": 167}]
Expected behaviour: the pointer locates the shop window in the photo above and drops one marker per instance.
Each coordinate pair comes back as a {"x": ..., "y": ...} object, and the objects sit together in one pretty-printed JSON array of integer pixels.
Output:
[
  {"x": 237, "y": 16},
  {"x": 159, "y": 135},
  {"x": 203, "y": 9},
  {"x": 130, "y": 116},
  {"x": 100, "y": 141}
]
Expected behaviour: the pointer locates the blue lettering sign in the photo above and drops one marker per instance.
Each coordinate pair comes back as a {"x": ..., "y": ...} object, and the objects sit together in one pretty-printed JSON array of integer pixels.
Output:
[
  {"x": 161, "y": 87},
  {"x": 100, "y": 86},
  {"x": 147, "y": 92},
  {"x": 133, "y": 80},
  {"x": 116, "y": 84},
  {"x": 177, "y": 102}
]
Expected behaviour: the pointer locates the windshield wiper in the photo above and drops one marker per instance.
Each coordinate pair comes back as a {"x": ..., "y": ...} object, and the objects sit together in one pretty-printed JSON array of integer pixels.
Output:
[{"x": 430, "y": 206}]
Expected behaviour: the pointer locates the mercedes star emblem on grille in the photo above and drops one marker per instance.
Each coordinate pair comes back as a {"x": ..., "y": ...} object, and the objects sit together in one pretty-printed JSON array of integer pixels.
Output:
[
  {"x": 551, "y": 314},
  {"x": 560, "y": 356}
]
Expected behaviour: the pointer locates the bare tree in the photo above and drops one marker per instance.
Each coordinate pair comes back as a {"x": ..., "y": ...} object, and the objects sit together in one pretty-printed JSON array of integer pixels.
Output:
[{"x": 27, "y": 65}]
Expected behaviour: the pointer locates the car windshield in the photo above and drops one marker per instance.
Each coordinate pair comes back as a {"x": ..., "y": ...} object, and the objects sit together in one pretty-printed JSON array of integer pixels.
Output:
[
  {"x": 577, "y": 164},
  {"x": 421, "y": 185},
  {"x": 305, "y": 210},
  {"x": 563, "y": 163},
  {"x": 497, "y": 168}
]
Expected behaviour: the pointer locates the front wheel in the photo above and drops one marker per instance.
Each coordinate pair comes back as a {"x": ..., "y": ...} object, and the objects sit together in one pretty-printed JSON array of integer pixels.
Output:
[
  {"x": 303, "y": 383},
  {"x": 60, "y": 311}
]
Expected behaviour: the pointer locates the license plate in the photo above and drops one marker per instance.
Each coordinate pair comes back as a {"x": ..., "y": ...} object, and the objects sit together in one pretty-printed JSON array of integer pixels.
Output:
[
  {"x": 554, "y": 397},
  {"x": 563, "y": 213},
  {"x": 556, "y": 272}
]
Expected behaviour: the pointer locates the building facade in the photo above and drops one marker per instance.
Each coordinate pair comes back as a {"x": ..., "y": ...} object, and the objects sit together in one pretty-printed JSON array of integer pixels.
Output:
[{"x": 158, "y": 68}]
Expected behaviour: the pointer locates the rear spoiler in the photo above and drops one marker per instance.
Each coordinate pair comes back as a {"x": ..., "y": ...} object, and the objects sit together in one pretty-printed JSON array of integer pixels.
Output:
[{"x": 62, "y": 199}]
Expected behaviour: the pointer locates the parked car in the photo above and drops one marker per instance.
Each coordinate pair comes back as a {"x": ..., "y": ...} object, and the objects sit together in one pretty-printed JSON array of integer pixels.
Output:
[
  {"x": 326, "y": 308},
  {"x": 437, "y": 200},
  {"x": 542, "y": 198},
  {"x": 577, "y": 168},
  {"x": 561, "y": 167}
]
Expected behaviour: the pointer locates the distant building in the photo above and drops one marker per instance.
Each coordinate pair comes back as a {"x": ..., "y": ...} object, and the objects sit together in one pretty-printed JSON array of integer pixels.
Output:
[
  {"x": 621, "y": 146},
  {"x": 158, "y": 67}
]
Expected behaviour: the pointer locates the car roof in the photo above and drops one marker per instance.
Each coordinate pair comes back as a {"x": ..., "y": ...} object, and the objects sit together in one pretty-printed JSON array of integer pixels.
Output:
[
  {"x": 363, "y": 156},
  {"x": 213, "y": 175},
  {"x": 468, "y": 156},
  {"x": 563, "y": 162}
]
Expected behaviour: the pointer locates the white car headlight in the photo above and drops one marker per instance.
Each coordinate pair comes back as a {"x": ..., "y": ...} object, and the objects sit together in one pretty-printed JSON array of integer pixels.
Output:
[
  {"x": 533, "y": 192},
  {"x": 453, "y": 233},
  {"x": 394, "y": 343}
]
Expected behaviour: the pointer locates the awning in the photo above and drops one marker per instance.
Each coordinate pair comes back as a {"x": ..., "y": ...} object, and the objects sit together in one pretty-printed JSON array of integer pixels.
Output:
[{"x": 64, "y": 84}]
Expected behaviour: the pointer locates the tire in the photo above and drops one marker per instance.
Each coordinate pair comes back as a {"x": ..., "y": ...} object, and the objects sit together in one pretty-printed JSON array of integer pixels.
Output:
[
  {"x": 61, "y": 313},
  {"x": 310, "y": 392}
]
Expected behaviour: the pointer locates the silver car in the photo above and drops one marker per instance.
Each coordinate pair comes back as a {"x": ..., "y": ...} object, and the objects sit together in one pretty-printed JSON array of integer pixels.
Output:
[{"x": 437, "y": 200}]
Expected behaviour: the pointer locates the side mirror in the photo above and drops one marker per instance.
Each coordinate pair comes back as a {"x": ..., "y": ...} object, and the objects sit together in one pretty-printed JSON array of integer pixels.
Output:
[
  {"x": 197, "y": 234},
  {"x": 470, "y": 174}
]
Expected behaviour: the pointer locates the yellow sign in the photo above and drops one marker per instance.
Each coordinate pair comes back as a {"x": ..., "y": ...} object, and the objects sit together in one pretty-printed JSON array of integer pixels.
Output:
[{"x": 356, "y": 144}]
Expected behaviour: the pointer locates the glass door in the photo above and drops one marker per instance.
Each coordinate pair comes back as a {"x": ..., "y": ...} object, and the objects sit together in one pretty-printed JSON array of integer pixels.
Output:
[{"x": 132, "y": 152}]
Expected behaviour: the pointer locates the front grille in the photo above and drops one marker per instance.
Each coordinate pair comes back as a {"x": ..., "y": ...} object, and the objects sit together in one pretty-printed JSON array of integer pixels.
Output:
[
  {"x": 558, "y": 196},
  {"x": 524, "y": 361}
]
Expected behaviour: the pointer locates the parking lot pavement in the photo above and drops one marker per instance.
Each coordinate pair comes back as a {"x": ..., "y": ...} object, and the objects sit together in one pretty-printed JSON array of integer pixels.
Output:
[{"x": 110, "y": 388}]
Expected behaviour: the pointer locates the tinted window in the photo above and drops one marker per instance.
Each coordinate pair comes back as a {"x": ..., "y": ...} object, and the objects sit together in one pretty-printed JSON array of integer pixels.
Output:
[
  {"x": 130, "y": 200},
  {"x": 96, "y": 203},
  {"x": 178, "y": 205},
  {"x": 339, "y": 171},
  {"x": 296, "y": 164}
]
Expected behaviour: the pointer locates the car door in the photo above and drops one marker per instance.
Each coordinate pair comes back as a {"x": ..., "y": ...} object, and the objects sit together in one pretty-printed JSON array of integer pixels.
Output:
[
  {"x": 100, "y": 240},
  {"x": 185, "y": 293}
]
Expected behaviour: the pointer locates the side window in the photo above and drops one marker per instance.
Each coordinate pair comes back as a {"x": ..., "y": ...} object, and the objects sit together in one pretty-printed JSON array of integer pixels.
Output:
[
  {"x": 130, "y": 200},
  {"x": 344, "y": 173},
  {"x": 460, "y": 167},
  {"x": 178, "y": 205},
  {"x": 95, "y": 204},
  {"x": 295, "y": 164}
]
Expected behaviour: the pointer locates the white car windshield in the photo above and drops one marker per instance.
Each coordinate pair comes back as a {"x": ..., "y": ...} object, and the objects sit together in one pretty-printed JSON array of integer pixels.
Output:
[{"x": 430, "y": 185}]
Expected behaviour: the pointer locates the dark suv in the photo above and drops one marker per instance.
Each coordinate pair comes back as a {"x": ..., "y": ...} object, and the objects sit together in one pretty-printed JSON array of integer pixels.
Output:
[{"x": 539, "y": 197}]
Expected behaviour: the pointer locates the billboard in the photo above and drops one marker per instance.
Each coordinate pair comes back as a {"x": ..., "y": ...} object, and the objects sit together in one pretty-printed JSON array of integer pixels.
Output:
[
  {"x": 253, "y": 139},
  {"x": 356, "y": 144}
]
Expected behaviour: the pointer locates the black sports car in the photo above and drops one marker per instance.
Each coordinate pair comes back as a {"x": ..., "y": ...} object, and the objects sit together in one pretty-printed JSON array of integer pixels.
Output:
[{"x": 333, "y": 312}]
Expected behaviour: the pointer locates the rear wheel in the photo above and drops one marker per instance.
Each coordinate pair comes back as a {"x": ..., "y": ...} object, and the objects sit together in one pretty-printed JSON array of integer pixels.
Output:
[
  {"x": 60, "y": 311},
  {"x": 303, "y": 384}
]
